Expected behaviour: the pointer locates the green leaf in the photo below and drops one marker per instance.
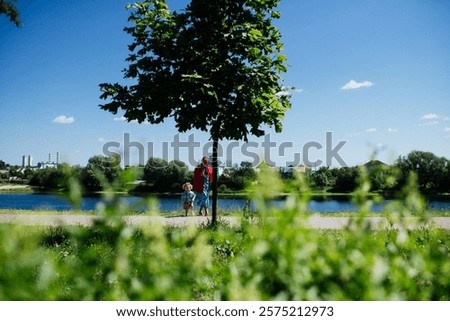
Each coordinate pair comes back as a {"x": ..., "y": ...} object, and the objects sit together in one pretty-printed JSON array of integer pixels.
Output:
[{"x": 255, "y": 34}]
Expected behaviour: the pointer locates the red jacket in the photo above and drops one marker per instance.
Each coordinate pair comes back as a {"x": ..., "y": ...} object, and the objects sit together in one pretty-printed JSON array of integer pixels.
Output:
[{"x": 199, "y": 179}]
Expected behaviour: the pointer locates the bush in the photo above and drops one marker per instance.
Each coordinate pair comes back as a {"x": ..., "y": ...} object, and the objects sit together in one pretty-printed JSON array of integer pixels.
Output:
[{"x": 277, "y": 257}]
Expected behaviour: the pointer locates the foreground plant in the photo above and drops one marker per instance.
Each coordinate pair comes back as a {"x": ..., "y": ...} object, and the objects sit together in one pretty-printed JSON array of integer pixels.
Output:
[{"x": 271, "y": 255}]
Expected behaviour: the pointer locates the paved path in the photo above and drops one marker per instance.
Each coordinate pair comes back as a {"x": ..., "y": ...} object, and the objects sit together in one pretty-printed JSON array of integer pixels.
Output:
[
  {"x": 322, "y": 222},
  {"x": 14, "y": 187}
]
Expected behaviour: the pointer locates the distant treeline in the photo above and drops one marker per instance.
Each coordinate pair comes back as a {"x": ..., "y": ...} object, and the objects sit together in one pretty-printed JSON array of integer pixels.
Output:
[
  {"x": 161, "y": 176},
  {"x": 158, "y": 176},
  {"x": 432, "y": 172}
]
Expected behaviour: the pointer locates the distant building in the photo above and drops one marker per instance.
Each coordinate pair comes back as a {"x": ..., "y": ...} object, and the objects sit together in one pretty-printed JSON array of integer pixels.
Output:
[
  {"x": 291, "y": 169},
  {"x": 4, "y": 173},
  {"x": 373, "y": 164},
  {"x": 27, "y": 161},
  {"x": 49, "y": 163},
  {"x": 42, "y": 165}
]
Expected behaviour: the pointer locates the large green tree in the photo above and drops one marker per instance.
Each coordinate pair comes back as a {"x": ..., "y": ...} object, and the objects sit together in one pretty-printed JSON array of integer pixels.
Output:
[
  {"x": 215, "y": 66},
  {"x": 430, "y": 170},
  {"x": 100, "y": 172},
  {"x": 163, "y": 176}
]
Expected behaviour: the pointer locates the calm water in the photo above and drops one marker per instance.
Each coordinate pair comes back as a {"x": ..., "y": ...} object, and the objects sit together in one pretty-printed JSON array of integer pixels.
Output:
[{"x": 53, "y": 202}]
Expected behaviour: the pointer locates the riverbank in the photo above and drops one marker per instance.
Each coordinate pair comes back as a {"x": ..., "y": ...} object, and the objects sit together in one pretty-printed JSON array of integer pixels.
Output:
[
  {"x": 170, "y": 214},
  {"x": 15, "y": 188}
]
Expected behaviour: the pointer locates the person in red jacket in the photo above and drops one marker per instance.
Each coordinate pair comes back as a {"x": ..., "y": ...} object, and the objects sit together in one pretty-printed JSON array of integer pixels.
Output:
[{"x": 203, "y": 176}]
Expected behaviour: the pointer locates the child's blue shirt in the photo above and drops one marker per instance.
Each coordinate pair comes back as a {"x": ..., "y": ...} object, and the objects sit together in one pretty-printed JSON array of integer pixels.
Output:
[{"x": 187, "y": 197}]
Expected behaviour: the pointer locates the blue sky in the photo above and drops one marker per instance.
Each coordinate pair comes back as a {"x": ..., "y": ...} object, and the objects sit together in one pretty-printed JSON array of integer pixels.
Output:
[{"x": 374, "y": 73}]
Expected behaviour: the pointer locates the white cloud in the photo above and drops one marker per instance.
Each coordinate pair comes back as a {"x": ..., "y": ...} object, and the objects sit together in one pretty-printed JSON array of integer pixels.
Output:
[
  {"x": 288, "y": 92},
  {"x": 430, "y": 123},
  {"x": 101, "y": 139},
  {"x": 392, "y": 130},
  {"x": 446, "y": 119},
  {"x": 371, "y": 130},
  {"x": 432, "y": 119},
  {"x": 62, "y": 119},
  {"x": 430, "y": 116},
  {"x": 352, "y": 84},
  {"x": 133, "y": 121},
  {"x": 447, "y": 129}
]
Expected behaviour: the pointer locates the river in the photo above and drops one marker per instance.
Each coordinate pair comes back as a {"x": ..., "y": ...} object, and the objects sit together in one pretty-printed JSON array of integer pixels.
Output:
[{"x": 27, "y": 201}]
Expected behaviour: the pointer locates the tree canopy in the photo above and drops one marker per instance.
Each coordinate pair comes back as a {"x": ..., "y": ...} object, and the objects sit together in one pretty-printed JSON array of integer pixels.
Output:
[
  {"x": 432, "y": 171},
  {"x": 163, "y": 176},
  {"x": 215, "y": 67},
  {"x": 100, "y": 171},
  {"x": 8, "y": 8}
]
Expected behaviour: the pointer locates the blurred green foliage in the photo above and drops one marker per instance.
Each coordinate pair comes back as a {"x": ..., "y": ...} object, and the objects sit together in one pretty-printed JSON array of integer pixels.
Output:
[{"x": 271, "y": 255}]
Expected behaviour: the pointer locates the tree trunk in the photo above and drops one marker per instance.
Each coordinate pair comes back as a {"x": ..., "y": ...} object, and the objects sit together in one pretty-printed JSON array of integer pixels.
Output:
[{"x": 214, "y": 184}]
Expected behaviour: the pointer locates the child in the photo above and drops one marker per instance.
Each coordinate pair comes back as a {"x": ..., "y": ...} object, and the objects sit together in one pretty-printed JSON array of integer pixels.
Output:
[{"x": 187, "y": 197}]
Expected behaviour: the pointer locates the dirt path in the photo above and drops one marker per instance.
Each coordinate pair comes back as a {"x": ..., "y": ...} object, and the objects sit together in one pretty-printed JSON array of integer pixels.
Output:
[
  {"x": 11, "y": 187},
  {"x": 86, "y": 220}
]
